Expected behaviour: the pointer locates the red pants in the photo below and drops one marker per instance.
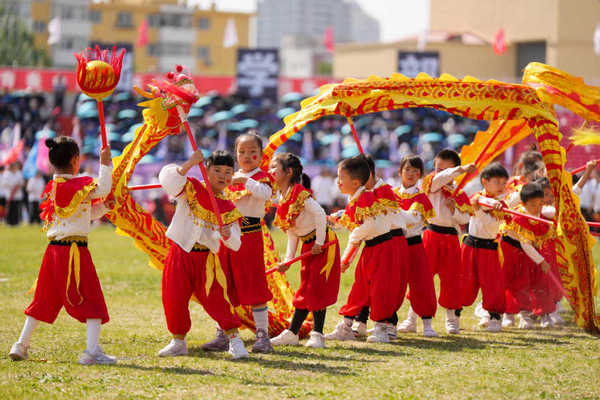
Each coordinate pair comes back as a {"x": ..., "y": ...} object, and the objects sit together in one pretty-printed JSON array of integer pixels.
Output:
[
  {"x": 481, "y": 269},
  {"x": 541, "y": 286},
  {"x": 248, "y": 270},
  {"x": 443, "y": 254},
  {"x": 51, "y": 290},
  {"x": 420, "y": 281},
  {"x": 319, "y": 277},
  {"x": 549, "y": 253},
  {"x": 186, "y": 274},
  {"x": 377, "y": 283},
  {"x": 516, "y": 269}
]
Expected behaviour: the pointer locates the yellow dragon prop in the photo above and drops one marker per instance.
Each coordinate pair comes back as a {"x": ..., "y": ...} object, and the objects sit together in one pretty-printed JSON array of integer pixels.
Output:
[{"x": 517, "y": 110}]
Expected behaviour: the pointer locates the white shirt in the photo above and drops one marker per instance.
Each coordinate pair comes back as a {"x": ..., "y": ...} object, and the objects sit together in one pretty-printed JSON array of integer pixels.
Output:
[
  {"x": 324, "y": 189},
  {"x": 586, "y": 194},
  {"x": 312, "y": 218},
  {"x": 399, "y": 218},
  {"x": 482, "y": 224},
  {"x": 417, "y": 227},
  {"x": 370, "y": 228},
  {"x": 35, "y": 188},
  {"x": 186, "y": 229},
  {"x": 10, "y": 180},
  {"x": 78, "y": 224},
  {"x": 254, "y": 204},
  {"x": 443, "y": 215}
]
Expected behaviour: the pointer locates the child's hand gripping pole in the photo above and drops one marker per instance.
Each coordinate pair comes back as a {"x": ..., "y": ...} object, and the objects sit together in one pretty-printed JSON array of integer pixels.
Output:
[
  {"x": 300, "y": 257},
  {"x": 213, "y": 200}
]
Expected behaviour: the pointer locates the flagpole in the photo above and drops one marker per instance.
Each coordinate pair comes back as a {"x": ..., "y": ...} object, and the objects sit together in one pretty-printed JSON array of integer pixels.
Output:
[
  {"x": 360, "y": 149},
  {"x": 300, "y": 257}
]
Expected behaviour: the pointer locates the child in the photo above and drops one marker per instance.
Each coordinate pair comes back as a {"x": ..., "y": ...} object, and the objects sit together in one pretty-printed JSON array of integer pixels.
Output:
[
  {"x": 378, "y": 283},
  {"x": 301, "y": 217},
  {"x": 67, "y": 276},
  {"x": 479, "y": 250},
  {"x": 196, "y": 263},
  {"x": 35, "y": 187},
  {"x": 423, "y": 302},
  {"x": 522, "y": 262},
  {"x": 440, "y": 240},
  {"x": 250, "y": 190},
  {"x": 529, "y": 167},
  {"x": 400, "y": 219}
]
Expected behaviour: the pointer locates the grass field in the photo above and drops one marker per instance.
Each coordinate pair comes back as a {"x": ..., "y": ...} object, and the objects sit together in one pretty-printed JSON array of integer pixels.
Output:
[{"x": 549, "y": 364}]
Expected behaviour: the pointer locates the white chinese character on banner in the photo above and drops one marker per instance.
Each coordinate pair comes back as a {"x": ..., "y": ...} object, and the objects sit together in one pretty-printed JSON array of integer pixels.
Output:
[
  {"x": 308, "y": 86},
  {"x": 410, "y": 66},
  {"x": 8, "y": 79},
  {"x": 33, "y": 80},
  {"x": 256, "y": 69}
]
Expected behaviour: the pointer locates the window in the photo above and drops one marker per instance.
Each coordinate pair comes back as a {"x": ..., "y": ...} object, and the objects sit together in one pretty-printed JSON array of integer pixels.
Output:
[
  {"x": 39, "y": 26},
  {"x": 154, "y": 20},
  {"x": 124, "y": 20},
  {"x": 152, "y": 50},
  {"x": 204, "y": 24},
  {"x": 204, "y": 53},
  {"x": 95, "y": 16}
]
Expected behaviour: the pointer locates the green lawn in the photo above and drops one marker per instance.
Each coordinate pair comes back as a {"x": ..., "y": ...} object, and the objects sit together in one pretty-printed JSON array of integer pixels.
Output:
[{"x": 514, "y": 364}]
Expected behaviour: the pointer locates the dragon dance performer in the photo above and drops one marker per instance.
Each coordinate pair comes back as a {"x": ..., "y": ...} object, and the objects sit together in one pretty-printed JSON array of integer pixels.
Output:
[
  {"x": 197, "y": 263},
  {"x": 67, "y": 276},
  {"x": 302, "y": 218},
  {"x": 250, "y": 191}
]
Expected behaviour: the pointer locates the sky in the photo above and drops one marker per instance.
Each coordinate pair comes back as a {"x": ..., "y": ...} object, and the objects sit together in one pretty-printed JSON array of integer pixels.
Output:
[{"x": 398, "y": 18}]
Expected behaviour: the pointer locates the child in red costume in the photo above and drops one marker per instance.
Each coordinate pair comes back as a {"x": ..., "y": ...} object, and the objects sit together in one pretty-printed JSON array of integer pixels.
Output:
[
  {"x": 441, "y": 237},
  {"x": 302, "y": 218},
  {"x": 68, "y": 277},
  {"x": 479, "y": 251},
  {"x": 197, "y": 263},
  {"x": 250, "y": 190},
  {"x": 377, "y": 284},
  {"x": 523, "y": 265},
  {"x": 423, "y": 302}
]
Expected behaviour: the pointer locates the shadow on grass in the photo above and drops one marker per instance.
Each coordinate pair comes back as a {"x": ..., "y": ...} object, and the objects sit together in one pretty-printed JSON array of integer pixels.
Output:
[
  {"x": 317, "y": 355},
  {"x": 456, "y": 343},
  {"x": 371, "y": 351},
  {"x": 298, "y": 365},
  {"x": 169, "y": 370}
]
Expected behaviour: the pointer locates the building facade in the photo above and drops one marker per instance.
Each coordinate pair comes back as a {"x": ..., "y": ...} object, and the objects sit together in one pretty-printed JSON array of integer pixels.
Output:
[{"x": 176, "y": 34}]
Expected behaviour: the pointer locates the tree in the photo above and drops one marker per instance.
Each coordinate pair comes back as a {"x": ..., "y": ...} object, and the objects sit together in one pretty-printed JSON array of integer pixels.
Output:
[{"x": 17, "y": 47}]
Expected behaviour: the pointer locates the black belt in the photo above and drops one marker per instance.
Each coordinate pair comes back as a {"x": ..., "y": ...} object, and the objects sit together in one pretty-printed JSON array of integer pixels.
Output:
[
  {"x": 445, "y": 230},
  {"x": 251, "y": 224},
  {"x": 200, "y": 248},
  {"x": 81, "y": 241},
  {"x": 397, "y": 232},
  {"x": 511, "y": 241},
  {"x": 378, "y": 239},
  {"x": 414, "y": 240},
  {"x": 479, "y": 243}
]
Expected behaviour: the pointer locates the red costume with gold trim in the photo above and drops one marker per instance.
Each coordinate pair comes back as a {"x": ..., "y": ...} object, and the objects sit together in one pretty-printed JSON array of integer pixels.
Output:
[
  {"x": 248, "y": 263},
  {"x": 461, "y": 200},
  {"x": 67, "y": 276},
  {"x": 291, "y": 206}
]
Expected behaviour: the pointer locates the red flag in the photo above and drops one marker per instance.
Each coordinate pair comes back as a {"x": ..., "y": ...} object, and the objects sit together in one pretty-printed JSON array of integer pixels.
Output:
[
  {"x": 142, "y": 39},
  {"x": 499, "y": 42},
  {"x": 328, "y": 39}
]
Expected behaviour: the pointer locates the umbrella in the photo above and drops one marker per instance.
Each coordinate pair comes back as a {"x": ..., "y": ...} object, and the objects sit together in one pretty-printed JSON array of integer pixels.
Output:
[
  {"x": 433, "y": 137},
  {"x": 87, "y": 110},
  {"x": 195, "y": 112},
  {"x": 249, "y": 123},
  {"x": 291, "y": 97},
  {"x": 402, "y": 129},
  {"x": 126, "y": 113},
  {"x": 284, "y": 112},
  {"x": 49, "y": 133},
  {"x": 239, "y": 109},
  {"x": 350, "y": 151},
  {"x": 115, "y": 153},
  {"x": 383, "y": 163},
  {"x": 297, "y": 137},
  {"x": 203, "y": 101},
  {"x": 123, "y": 96},
  {"x": 456, "y": 139},
  {"x": 235, "y": 127},
  {"x": 222, "y": 116},
  {"x": 147, "y": 159},
  {"x": 327, "y": 139},
  {"x": 346, "y": 129}
]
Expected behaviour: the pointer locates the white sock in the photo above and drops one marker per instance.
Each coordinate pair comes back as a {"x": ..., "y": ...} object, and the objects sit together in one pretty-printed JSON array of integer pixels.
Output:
[
  {"x": 261, "y": 318},
  {"x": 348, "y": 321},
  {"x": 30, "y": 324},
  {"x": 93, "y": 334},
  {"x": 175, "y": 340},
  {"x": 427, "y": 323},
  {"x": 412, "y": 315}
]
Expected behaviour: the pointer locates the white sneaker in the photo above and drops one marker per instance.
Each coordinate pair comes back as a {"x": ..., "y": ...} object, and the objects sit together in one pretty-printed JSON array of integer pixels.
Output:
[
  {"x": 427, "y": 329},
  {"x": 381, "y": 333},
  {"x": 341, "y": 332},
  {"x": 98, "y": 357},
  {"x": 409, "y": 325},
  {"x": 316, "y": 341},
  {"x": 177, "y": 347},
  {"x": 359, "y": 329},
  {"x": 392, "y": 332},
  {"x": 546, "y": 321},
  {"x": 556, "y": 318},
  {"x": 495, "y": 325},
  {"x": 525, "y": 321},
  {"x": 18, "y": 352},
  {"x": 236, "y": 348},
  {"x": 484, "y": 321},
  {"x": 452, "y": 323},
  {"x": 481, "y": 312},
  {"x": 286, "y": 338},
  {"x": 508, "y": 320}
]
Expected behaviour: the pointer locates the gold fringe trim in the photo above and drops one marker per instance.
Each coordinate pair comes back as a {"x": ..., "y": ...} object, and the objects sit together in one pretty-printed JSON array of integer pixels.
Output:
[
  {"x": 294, "y": 210},
  {"x": 208, "y": 215}
]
